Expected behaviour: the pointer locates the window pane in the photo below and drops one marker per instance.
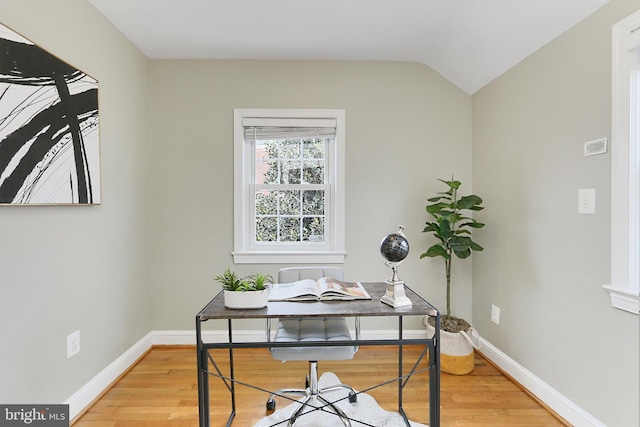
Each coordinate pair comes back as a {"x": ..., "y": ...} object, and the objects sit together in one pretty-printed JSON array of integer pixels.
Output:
[
  {"x": 266, "y": 229},
  {"x": 313, "y": 202},
  {"x": 313, "y": 230},
  {"x": 266, "y": 171},
  {"x": 313, "y": 172},
  {"x": 263, "y": 150},
  {"x": 290, "y": 229},
  {"x": 290, "y": 202},
  {"x": 291, "y": 172},
  {"x": 313, "y": 148},
  {"x": 266, "y": 202},
  {"x": 290, "y": 149}
]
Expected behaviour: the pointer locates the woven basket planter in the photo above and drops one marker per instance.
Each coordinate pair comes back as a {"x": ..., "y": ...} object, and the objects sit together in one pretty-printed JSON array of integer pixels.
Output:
[{"x": 456, "y": 350}]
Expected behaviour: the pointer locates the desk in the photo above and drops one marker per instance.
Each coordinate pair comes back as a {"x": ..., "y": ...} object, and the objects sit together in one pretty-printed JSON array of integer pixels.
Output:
[{"x": 215, "y": 309}]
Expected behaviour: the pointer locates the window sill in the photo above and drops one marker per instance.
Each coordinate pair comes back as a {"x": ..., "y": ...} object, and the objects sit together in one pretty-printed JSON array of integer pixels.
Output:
[
  {"x": 624, "y": 299},
  {"x": 288, "y": 257}
]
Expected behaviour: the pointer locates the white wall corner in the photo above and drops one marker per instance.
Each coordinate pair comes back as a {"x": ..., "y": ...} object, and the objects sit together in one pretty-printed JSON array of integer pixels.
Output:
[
  {"x": 564, "y": 407},
  {"x": 82, "y": 398}
]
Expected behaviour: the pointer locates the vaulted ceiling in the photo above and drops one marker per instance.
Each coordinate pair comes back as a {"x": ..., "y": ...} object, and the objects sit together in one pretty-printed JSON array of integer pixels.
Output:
[{"x": 469, "y": 42}]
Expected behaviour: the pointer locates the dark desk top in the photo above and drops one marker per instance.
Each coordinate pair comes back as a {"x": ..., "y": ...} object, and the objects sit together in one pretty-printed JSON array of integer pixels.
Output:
[{"x": 352, "y": 308}]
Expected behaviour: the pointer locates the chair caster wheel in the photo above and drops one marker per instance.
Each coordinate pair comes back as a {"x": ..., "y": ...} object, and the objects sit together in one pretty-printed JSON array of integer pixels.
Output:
[
  {"x": 271, "y": 405},
  {"x": 353, "y": 397}
]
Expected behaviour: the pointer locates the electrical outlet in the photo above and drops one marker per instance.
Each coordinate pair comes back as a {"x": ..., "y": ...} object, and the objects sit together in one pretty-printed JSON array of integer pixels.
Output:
[
  {"x": 495, "y": 314},
  {"x": 73, "y": 344}
]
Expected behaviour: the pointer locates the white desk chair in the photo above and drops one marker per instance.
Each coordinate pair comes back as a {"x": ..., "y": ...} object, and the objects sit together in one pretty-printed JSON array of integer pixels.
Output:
[{"x": 312, "y": 329}]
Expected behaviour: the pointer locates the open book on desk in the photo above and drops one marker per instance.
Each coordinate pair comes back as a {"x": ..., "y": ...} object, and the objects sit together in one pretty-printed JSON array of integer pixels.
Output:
[{"x": 322, "y": 289}]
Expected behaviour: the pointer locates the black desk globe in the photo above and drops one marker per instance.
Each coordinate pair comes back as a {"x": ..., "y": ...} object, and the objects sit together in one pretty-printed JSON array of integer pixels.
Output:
[{"x": 395, "y": 248}]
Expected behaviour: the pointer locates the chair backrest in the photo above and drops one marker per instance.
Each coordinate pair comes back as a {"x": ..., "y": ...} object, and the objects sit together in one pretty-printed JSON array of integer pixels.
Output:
[
  {"x": 292, "y": 274},
  {"x": 334, "y": 328}
]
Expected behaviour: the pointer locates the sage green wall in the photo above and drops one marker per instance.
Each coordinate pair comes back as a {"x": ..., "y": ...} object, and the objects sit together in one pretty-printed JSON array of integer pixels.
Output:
[
  {"x": 405, "y": 127},
  {"x": 67, "y": 268},
  {"x": 544, "y": 264}
]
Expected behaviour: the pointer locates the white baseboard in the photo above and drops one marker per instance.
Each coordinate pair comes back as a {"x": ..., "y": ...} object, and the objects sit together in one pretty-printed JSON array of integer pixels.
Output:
[
  {"x": 90, "y": 391},
  {"x": 543, "y": 391},
  {"x": 564, "y": 407}
]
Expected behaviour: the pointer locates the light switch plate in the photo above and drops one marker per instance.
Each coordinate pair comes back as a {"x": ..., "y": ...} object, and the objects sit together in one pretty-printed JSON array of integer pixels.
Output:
[{"x": 587, "y": 201}]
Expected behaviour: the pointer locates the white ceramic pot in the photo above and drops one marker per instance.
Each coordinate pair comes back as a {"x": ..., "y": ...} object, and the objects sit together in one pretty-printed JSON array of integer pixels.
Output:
[{"x": 246, "y": 299}]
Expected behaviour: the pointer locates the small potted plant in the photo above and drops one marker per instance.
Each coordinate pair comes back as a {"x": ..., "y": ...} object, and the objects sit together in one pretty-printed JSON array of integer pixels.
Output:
[
  {"x": 247, "y": 292},
  {"x": 452, "y": 228}
]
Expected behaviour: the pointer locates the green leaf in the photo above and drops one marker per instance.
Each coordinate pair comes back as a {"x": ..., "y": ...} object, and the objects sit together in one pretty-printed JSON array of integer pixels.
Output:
[
  {"x": 472, "y": 223},
  {"x": 458, "y": 242},
  {"x": 476, "y": 247},
  {"x": 476, "y": 224},
  {"x": 451, "y": 216},
  {"x": 468, "y": 202},
  {"x": 435, "y": 199},
  {"x": 453, "y": 185},
  {"x": 430, "y": 227},
  {"x": 436, "y": 250},
  {"x": 437, "y": 208},
  {"x": 462, "y": 254},
  {"x": 445, "y": 228}
]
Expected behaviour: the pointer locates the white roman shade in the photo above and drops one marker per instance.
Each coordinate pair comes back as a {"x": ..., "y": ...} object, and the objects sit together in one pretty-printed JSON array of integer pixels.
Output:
[{"x": 265, "y": 129}]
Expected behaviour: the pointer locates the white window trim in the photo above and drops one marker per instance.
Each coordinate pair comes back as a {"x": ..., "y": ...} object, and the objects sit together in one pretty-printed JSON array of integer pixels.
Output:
[
  {"x": 625, "y": 175},
  {"x": 243, "y": 253}
]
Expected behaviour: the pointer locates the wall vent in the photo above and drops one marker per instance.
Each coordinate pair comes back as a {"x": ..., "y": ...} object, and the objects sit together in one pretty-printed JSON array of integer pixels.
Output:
[{"x": 599, "y": 146}]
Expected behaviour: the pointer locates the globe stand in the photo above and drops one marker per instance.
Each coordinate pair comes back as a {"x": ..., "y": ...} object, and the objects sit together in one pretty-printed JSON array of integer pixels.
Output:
[
  {"x": 395, "y": 248},
  {"x": 395, "y": 296}
]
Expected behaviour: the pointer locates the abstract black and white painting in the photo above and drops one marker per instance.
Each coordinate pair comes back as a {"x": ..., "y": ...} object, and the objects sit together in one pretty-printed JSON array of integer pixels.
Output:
[{"x": 49, "y": 128}]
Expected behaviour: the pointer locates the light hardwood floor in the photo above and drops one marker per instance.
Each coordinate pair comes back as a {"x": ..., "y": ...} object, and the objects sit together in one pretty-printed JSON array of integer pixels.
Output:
[{"x": 161, "y": 390}]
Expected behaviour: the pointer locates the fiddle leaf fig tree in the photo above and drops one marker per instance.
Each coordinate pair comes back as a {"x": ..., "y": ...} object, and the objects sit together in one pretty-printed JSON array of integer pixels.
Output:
[{"x": 452, "y": 228}]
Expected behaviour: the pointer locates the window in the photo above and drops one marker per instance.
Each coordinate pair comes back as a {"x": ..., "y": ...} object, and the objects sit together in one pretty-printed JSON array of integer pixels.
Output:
[
  {"x": 289, "y": 186},
  {"x": 625, "y": 165}
]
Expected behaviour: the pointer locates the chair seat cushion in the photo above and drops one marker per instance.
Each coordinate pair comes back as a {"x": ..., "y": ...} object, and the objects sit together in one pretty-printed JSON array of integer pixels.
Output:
[{"x": 313, "y": 329}]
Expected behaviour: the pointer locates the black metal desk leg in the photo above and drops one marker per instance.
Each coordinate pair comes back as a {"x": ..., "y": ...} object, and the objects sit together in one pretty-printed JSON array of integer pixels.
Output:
[
  {"x": 232, "y": 372},
  {"x": 400, "y": 410},
  {"x": 203, "y": 380},
  {"x": 434, "y": 377}
]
